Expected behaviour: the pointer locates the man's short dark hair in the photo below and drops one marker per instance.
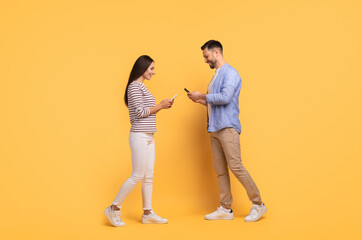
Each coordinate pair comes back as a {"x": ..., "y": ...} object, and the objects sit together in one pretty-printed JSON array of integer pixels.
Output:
[{"x": 211, "y": 44}]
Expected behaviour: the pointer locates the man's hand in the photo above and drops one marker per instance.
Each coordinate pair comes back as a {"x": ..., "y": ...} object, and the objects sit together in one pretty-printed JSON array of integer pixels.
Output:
[
  {"x": 201, "y": 101},
  {"x": 195, "y": 95}
]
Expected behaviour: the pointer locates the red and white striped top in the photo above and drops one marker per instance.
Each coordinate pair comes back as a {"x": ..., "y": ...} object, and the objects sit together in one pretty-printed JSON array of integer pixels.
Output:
[{"x": 140, "y": 100}]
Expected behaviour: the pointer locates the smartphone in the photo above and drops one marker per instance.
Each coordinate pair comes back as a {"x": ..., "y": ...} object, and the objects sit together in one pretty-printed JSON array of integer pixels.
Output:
[
  {"x": 173, "y": 97},
  {"x": 186, "y": 90}
]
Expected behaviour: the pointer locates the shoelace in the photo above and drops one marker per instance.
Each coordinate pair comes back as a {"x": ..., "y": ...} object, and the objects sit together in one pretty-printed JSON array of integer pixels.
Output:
[
  {"x": 116, "y": 216},
  {"x": 155, "y": 216},
  {"x": 220, "y": 209},
  {"x": 253, "y": 211}
]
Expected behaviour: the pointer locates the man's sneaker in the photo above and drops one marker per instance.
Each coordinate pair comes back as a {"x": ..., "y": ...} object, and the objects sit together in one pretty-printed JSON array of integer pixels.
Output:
[
  {"x": 255, "y": 213},
  {"x": 153, "y": 218},
  {"x": 220, "y": 213},
  {"x": 114, "y": 216}
]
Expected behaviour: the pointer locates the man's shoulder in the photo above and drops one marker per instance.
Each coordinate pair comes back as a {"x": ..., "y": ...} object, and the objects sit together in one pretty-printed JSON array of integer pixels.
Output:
[{"x": 229, "y": 70}]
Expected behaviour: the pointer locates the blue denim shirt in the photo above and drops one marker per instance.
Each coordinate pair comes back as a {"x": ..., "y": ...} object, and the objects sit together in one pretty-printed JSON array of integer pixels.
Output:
[{"x": 224, "y": 100}]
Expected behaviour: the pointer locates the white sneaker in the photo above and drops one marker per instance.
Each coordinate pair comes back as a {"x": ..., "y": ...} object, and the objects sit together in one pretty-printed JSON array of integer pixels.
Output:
[
  {"x": 114, "y": 216},
  {"x": 153, "y": 218},
  {"x": 220, "y": 213},
  {"x": 255, "y": 213}
]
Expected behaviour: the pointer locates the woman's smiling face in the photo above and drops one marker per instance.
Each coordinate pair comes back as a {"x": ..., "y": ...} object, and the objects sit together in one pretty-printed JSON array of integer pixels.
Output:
[{"x": 150, "y": 71}]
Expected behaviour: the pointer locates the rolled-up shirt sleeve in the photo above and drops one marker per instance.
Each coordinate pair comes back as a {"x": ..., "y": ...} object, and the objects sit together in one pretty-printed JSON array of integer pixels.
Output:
[
  {"x": 227, "y": 91},
  {"x": 135, "y": 101}
]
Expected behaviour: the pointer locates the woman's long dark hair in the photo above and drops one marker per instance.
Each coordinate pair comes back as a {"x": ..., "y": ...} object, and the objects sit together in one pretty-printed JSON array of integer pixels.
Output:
[{"x": 139, "y": 68}]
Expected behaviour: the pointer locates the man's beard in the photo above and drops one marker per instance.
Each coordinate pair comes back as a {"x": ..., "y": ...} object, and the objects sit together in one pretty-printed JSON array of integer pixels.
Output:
[{"x": 211, "y": 65}]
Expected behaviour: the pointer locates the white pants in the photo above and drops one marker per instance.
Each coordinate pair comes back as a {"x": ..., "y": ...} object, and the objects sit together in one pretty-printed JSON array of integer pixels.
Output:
[{"x": 143, "y": 161}]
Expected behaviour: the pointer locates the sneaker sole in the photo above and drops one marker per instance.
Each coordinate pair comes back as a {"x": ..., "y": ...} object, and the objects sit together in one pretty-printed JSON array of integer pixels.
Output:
[
  {"x": 108, "y": 215},
  {"x": 225, "y": 218},
  {"x": 262, "y": 213},
  {"x": 149, "y": 222}
]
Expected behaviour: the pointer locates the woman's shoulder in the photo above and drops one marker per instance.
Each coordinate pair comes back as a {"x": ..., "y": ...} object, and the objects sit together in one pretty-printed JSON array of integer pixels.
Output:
[
  {"x": 139, "y": 87},
  {"x": 135, "y": 85}
]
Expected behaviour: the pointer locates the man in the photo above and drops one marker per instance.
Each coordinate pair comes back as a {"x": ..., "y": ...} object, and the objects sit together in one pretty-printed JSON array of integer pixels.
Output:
[{"x": 222, "y": 101}]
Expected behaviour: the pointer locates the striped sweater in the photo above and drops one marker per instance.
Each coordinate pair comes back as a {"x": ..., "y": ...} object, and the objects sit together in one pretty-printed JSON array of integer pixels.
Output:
[{"x": 140, "y": 100}]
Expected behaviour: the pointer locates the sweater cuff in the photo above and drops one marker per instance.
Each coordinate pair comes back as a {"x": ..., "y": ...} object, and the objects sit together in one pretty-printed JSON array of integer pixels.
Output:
[
  {"x": 147, "y": 112},
  {"x": 208, "y": 98}
]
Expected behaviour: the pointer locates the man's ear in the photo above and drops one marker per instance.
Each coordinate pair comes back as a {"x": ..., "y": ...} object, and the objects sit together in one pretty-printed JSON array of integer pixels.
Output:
[{"x": 216, "y": 52}]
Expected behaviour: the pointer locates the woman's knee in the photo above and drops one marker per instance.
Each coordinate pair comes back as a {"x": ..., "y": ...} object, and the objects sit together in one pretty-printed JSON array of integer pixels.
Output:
[
  {"x": 137, "y": 177},
  {"x": 148, "y": 177}
]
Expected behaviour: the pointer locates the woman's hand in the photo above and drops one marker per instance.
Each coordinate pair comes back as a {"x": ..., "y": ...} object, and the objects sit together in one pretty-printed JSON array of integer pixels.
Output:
[{"x": 166, "y": 103}]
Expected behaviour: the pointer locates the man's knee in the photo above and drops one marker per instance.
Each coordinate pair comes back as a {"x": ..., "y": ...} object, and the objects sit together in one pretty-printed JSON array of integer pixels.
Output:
[
  {"x": 220, "y": 171},
  {"x": 235, "y": 165}
]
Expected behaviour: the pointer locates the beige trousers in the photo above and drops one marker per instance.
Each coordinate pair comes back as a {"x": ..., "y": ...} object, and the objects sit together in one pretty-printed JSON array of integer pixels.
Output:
[{"x": 225, "y": 145}]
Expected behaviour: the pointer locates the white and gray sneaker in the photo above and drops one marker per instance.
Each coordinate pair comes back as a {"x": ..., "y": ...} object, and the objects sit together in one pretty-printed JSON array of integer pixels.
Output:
[
  {"x": 114, "y": 216},
  {"x": 153, "y": 218},
  {"x": 256, "y": 212},
  {"x": 220, "y": 213}
]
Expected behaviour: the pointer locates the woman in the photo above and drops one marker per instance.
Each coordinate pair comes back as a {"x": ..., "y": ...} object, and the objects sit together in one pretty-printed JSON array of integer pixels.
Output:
[{"x": 142, "y": 112}]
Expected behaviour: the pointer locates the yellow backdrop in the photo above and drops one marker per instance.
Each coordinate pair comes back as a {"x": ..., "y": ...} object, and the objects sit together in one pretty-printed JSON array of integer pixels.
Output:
[{"x": 64, "y": 127}]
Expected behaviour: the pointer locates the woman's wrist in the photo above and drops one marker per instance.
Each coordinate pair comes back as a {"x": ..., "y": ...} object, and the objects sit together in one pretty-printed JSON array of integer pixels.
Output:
[{"x": 155, "y": 109}]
